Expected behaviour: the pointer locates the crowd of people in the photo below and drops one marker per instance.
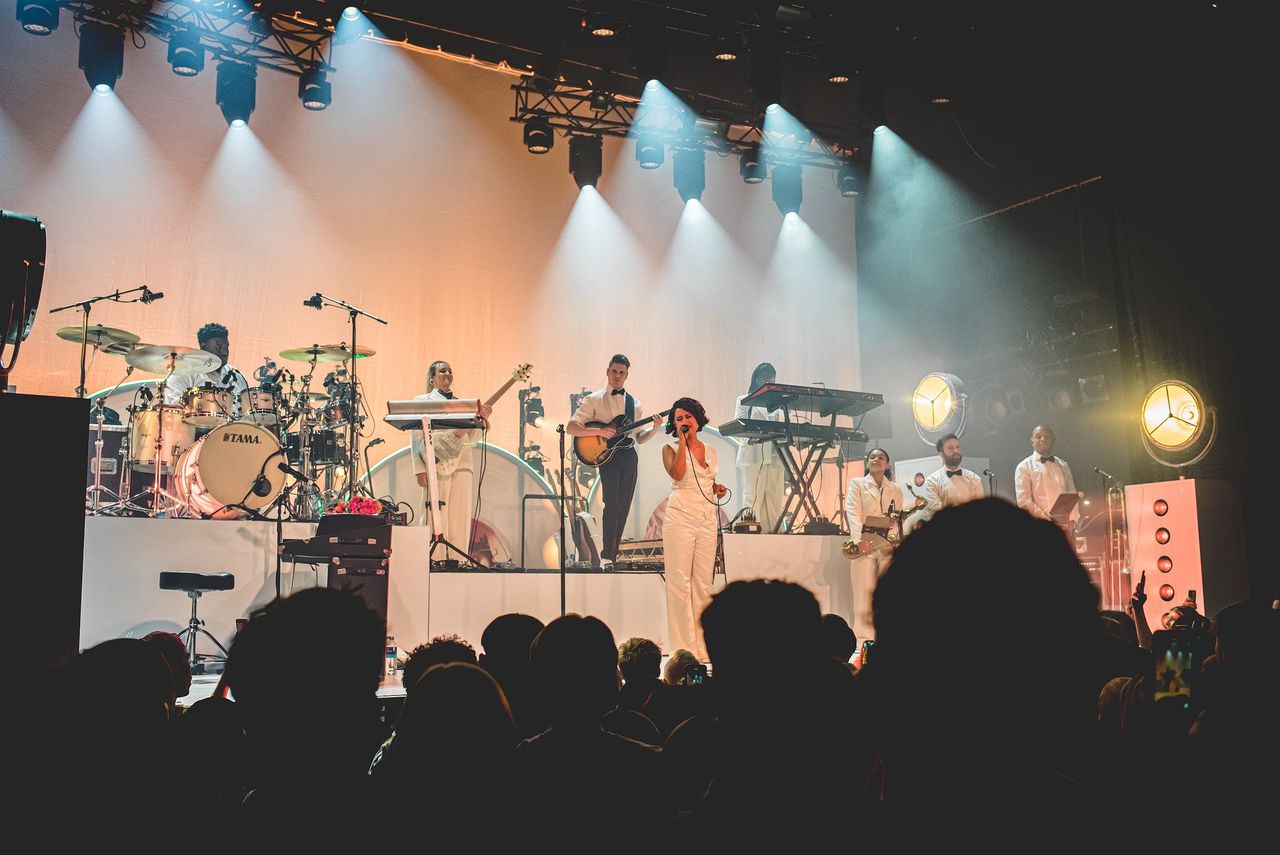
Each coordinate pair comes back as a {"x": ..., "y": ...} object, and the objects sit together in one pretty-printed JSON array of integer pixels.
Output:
[{"x": 997, "y": 707}]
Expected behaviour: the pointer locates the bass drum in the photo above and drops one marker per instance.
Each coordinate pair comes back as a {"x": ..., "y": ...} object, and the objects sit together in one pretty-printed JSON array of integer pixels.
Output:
[{"x": 233, "y": 464}]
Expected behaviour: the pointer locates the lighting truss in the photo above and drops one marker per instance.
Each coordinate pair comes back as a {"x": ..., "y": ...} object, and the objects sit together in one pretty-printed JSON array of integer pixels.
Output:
[
  {"x": 228, "y": 30},
  {"x": 568, "y": 110}
]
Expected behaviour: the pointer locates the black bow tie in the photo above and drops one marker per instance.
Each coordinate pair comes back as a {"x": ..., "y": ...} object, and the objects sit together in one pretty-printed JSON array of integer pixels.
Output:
[
  {"x": 448, "y": 395},
  {"x": 1048, "y": 459},
  {"x": 618, "y": 392},
  {"x": 952, "y": 473}
]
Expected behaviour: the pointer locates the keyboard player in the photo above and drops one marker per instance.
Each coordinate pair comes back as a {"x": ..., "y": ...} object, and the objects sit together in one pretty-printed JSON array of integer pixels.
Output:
[{"x": 763, "y": 475}]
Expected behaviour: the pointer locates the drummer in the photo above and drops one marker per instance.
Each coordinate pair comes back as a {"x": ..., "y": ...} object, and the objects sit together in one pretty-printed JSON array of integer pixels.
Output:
[{"x": 213, "y": 339}]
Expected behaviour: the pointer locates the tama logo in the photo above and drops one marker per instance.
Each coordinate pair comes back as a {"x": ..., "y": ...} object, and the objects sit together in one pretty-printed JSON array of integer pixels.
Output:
[{"x": 242, "y": 437}]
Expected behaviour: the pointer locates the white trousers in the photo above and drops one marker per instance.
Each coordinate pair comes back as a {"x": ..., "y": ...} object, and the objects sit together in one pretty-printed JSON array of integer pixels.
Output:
[
  {"x": 689, "y": 556},
  {"x": 866, "y": 572},
  {"x": 762, "y": 491},
  {"x": 457, "y": 491}
]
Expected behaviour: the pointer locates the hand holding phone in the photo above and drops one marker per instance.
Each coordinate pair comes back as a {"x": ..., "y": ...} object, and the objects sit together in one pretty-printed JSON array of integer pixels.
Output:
[
  {"x": 1139, "y": 598},
  {"x": 1175, "y": 660}
]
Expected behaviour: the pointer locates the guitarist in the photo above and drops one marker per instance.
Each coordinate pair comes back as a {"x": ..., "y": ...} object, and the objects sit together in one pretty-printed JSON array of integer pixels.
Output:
[
  {"x": 455, "y": 472},
  {"x": 618, "y": 475}
]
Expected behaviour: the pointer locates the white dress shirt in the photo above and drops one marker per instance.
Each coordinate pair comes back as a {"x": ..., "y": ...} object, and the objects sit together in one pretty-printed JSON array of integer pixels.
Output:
[
  {"x": 756, "y": 453},
  {"x": 448, "y": 446},
  {"x": 943, "y": 491},
  {"x": 867, "y": 499},
  {"x": 227, "y": 377},
  {"x": 603, "y": 406},
  {"x": 1038, "y": 485}
]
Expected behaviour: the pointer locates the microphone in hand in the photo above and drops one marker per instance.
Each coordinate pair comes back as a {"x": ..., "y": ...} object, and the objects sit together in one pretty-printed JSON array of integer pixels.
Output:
[{"x": 684, "y": 428}]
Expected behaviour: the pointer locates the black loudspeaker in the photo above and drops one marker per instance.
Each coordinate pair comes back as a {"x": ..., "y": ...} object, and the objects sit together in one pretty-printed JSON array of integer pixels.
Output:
[
  {"x": 1188, "y": 535},
  {"x": 366, "y": 577},
  {"x": 42, "y": 471}
]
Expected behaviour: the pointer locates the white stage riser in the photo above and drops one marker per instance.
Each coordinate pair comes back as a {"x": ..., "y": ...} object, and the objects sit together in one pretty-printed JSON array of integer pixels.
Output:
[{"x": 124, "y": 558}]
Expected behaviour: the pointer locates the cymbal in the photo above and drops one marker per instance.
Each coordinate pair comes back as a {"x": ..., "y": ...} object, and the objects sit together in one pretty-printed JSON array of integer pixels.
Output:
[
  {"x": 325, "y": 353},
  {"x": 110, "y": 339},
  {"x": 157, "y": 358},
  {"x": 311, "y": 397}
]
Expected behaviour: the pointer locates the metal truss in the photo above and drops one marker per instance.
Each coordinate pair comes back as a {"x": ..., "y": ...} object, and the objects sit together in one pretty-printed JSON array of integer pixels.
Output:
[
  {"x": 571, "y": 112},
  {"x": 228, "y": 30}
]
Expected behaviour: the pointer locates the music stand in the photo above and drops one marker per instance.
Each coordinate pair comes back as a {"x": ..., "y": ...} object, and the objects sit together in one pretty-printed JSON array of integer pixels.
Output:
[
  {"x": 1062, "y": 508},
  {"x": 448, "y": 414}
]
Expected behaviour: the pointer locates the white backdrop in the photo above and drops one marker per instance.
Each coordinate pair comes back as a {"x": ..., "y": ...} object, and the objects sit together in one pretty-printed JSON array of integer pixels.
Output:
[{"x": 412, "y": 196}]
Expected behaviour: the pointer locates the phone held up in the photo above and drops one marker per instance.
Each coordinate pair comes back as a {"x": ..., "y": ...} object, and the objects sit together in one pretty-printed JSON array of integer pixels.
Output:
[{"x": 1174, "y": 651}]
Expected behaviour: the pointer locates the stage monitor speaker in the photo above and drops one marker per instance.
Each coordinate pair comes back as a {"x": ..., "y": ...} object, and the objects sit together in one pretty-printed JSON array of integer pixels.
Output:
[
  {"x": 1188, "y": 535},
  {"x": 367, "y": 577},
  {"x": 43, "y": 526}
]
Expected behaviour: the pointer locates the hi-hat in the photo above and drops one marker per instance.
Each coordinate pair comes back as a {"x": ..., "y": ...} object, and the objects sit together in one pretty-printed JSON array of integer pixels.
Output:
[
  {"x": 311, "y": 397},
  {"x": 107, "y": 339},
  {"x": 159, "y": 358},
  {"x": 325, "y": 353}
]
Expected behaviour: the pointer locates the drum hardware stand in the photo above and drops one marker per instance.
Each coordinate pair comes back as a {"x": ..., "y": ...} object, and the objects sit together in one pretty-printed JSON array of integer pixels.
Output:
[
  {"x": 99, "y": 405},
  {"x": 353, "y": 435},
  {"x": 86, "y": 306}
]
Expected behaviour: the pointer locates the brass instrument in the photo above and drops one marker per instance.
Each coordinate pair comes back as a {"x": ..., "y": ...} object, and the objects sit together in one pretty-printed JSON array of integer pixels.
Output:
[{"x": 889, "y": 533}]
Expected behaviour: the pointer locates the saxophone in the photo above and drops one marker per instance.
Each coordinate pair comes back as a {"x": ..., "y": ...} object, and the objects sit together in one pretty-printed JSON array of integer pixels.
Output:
[{"x": 893, "y": 534}]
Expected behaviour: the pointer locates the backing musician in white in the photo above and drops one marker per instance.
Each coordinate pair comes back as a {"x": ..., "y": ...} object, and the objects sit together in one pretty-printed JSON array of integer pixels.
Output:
[
  {"x": 951, "y": 485},
  {"x": 1043, "y": 477},
  {"x": 872, "y": 495},
  {"x": 763, "y": 475}
]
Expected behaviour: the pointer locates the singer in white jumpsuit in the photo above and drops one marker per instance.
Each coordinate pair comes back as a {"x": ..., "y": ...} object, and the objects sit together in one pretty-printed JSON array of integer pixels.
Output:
[
  {"x": 455, "y": 472},
  {"x": 689, "y": 527}
]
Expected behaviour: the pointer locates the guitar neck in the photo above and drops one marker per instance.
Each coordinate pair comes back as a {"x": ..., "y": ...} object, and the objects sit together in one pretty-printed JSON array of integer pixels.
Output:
[
  {"x": 639, "y": 424},
  {"x": 502, "y": 390}
]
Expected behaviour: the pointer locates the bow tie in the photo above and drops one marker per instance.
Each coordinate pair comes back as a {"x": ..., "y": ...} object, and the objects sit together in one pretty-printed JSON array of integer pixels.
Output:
[
  {"x": 1051, "y": 458},
  {"x": 448, "y": 395},
  {"x": 617, "y": 391},
  {"x": 952, "y": 473}
]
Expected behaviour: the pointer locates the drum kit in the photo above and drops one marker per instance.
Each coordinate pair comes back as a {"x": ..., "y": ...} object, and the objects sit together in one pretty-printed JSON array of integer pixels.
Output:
[{"x": 212, "y": 453}]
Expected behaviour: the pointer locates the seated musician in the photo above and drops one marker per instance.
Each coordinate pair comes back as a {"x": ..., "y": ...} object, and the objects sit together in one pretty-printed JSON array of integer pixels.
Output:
[
  {"x": 618, "y": 475},
  {"x": 211, "y": 338}
]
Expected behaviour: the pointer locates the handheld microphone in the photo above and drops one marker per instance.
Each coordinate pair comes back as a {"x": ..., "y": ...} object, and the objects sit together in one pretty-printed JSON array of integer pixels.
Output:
[
  {"x": 289, "y": 470},
  {"x": 315, "y": 302},
  {"x": 373, "y": 443},
  {"x": 149, "y": 296},
  {"x": 684, "y": 428}
]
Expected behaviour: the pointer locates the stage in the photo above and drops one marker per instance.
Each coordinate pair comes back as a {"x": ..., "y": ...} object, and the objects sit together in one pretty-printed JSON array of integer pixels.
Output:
[{"x": 124, "y": 558}]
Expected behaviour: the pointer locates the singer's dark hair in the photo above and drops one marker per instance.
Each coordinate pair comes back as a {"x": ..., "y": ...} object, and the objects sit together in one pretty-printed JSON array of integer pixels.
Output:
[
  {"x": 209, "y": 331},
  {"x": 938, "y": 445},
  {"x": 690, "y": 406},
  {"x": 764, "y": 369},
  {"x": 888, "y": 469},
  {"x": 620, "y": 359}
]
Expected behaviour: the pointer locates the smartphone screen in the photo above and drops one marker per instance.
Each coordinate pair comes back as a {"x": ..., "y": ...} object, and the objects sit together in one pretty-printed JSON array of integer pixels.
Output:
[
  {"x": 1175, "y": 660},
  {"x": 866, "y": 652}
]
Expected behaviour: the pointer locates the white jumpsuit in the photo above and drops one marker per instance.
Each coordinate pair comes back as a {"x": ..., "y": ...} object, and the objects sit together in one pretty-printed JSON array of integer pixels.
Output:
[
  {"x": 689, "y": 553},
  {"x": 455, "y": 476}
]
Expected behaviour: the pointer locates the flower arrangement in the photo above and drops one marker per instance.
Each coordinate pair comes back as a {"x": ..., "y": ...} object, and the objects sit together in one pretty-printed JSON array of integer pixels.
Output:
[{"x": 358, "y": 505}]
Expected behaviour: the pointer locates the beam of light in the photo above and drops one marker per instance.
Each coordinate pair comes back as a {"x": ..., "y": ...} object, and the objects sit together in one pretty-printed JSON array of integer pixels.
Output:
[{"x": 783, "y": 132}]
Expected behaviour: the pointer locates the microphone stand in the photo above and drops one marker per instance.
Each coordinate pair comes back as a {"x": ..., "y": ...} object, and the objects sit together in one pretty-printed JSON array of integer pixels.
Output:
[
  {"x": 87, "y": 305},
  {"x": 560, "y": 430},
  {"x": 991, "y": 483},
  {"x": 353, "y": 434}
]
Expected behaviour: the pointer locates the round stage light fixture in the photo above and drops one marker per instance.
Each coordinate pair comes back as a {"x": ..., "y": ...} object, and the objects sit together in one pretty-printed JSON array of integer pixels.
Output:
[
  {"x": 585, "y": 160},
  {"x": 689, "y": 173},
  {"x": 1178, "y": 430},
  {"x": 725, "y": 50},
  {"x": 237, "y": 92},
  {"x": 314, "y": 89},
  {"x": 750, "y": 166},
  {"x": 186, "y": 54},
  {"x": 38, "y": 17},
  {"x": 849, "y": 179},
  {"x": 538, "y": 136},
  {"x": 788, "y": 190},
  {"x": 939, "y": 406},
  {"x": 101, "y": 55},
  {"x": 649, "y": 151}
]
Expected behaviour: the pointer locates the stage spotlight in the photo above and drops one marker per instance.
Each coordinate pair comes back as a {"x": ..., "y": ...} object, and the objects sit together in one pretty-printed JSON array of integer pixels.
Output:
[
  {"x": 1177, "y": 428},
  {"x": 849, "y": 179},
  {"x": 315, "y": 90},
  {"x": 750, "y": 166},
  {"x": 237, "y": 92},
  {"x": 101, "y": 55},
  {"x": 535, "y": 414},
  {"x": 788, "y": 191},
  {"x": 351, "y": 13},
  {"x": 585, "y": 160},
  {"x": 602, "y": 25},
  {"x": 726, "y": 49},
  {"x": 600, "y": 101},
  {"x": 939, "y": 406},
  {"x": 538, "y": 136},
  {"x": 649, "y": 152},
  {"x": 689, "y": 173},
  {"x": 186, "y": 54},
  {"x": 38, "y": 17}
]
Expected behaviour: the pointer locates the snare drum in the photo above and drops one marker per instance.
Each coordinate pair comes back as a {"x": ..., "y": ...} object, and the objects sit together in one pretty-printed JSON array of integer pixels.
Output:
[
  {"x": 223, "y": 467},
  {"x": 207, "y": 406},
  {"x": 260, "y": 405},
  {"x": 145, "y": 429}
]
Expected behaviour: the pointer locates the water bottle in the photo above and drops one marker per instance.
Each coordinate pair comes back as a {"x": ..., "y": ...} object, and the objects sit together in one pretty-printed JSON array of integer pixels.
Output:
[{"x": 391, "y": 656}]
